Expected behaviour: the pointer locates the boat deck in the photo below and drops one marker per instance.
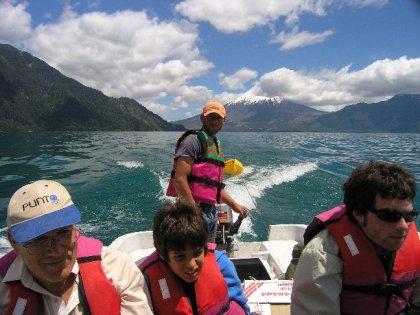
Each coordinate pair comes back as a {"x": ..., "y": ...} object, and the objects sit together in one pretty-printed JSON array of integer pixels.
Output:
[{"x": 259, "y": 261}]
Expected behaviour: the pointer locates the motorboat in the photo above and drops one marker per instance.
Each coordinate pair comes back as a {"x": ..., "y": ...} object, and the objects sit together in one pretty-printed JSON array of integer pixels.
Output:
[{"x": 261, "y": 265}]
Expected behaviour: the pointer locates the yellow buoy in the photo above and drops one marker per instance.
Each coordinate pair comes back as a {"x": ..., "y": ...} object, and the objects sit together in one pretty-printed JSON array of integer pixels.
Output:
[{"x": 233, "y": 167}]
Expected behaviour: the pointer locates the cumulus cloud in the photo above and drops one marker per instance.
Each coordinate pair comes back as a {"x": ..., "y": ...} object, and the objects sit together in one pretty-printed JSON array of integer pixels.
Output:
[
  {"x": 15, "y": 22},
  {"x": 237, "y": 80},
  {"x": 332, "y": 90},
  {"x": 296, "y": 39},
  {"x": 126, "y": 53},
  {"x": 242, "y": 15}
]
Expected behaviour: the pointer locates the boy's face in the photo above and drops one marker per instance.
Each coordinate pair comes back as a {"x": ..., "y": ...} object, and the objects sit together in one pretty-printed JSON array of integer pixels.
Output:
[{"x": 187, "y": 263}]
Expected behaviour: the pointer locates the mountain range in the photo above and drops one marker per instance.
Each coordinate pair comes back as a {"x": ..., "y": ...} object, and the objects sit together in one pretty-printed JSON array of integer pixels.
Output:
[
  {"x": 400, "y": 113},
  {"x": 35, "y": 96}
]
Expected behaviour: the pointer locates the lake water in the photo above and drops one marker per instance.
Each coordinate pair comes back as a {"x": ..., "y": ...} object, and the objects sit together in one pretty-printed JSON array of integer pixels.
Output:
[{"x": 118, "y": 179}]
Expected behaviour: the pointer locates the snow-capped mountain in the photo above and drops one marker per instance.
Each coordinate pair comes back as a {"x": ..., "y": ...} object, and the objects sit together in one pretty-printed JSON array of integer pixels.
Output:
[
  {"x": 250, "y": 113},
  {"x": 246, "y": 99},
  {"x": 257, "y": 113}
]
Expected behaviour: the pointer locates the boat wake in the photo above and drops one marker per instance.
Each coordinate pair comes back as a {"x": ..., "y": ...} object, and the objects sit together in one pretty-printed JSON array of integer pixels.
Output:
[
  {"x": 252, "y": 184},
  {"x": 4, "y": 243},
  {"x": 130, "y": 164}
]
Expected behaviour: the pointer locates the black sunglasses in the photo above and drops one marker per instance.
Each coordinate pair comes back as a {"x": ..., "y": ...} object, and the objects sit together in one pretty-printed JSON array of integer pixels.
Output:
[{"x": 392, "y": 215}]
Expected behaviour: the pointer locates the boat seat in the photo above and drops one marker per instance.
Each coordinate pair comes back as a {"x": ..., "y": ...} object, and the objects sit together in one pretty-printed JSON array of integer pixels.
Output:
[
  {"x": 281, "y": 253},
  {"x": 139, "y": 255},
  {"x": 137, "y": 245}
]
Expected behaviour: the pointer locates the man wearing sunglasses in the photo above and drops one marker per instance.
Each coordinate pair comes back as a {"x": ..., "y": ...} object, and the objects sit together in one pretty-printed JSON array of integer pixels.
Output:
[
  {"x": 54, "y": 270},
  {"x": 363, "y": 257}
]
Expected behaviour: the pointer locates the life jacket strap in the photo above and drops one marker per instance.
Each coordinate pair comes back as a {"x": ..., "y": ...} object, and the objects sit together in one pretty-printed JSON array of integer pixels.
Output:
[
  {"x": 206, "y": 181},
  {"x": 213, "y": 161},
  {"x": 83, "y": 299},
  {"x": 224, "y": 309},
  {"x": 381, "y": 289}
]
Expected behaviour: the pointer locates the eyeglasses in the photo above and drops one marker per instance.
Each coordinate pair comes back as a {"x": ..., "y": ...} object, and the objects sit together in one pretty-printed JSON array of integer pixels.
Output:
[
  {"x": 392, "y": 215},
  {"x": 41, "y": 244}
]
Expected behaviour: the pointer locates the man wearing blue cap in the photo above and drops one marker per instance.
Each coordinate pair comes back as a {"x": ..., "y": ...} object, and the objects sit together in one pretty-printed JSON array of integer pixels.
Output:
[{"x": 54, "y": 270}]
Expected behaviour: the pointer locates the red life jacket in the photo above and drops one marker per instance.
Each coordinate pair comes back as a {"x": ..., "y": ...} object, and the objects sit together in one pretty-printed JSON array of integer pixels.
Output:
[
  {"x": 101, "y": 295},
  {"x": 168, "y": 296},
  {"x": 205, "y": 180},
  {"x": 366, "y": 288}
]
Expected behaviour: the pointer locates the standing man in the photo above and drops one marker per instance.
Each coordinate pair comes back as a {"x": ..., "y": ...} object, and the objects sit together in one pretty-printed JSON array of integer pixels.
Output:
[
  {"x": 54, "y": 270},
  {"x": 198, "y": 168},
  {"x": 363, "y": 257}
]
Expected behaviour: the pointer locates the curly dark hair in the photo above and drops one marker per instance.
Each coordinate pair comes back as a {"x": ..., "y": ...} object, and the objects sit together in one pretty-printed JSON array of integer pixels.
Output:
[
  {"x": 178, "y": 225},
  {"x": 388, "y": 180}
]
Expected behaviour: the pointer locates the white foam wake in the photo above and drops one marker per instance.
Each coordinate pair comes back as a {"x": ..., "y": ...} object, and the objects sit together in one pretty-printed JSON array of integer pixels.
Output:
[
  {"x": 130, "y": 164},
  {"x": 5, "y": 246},
  {"x": 255, "y": 181}
]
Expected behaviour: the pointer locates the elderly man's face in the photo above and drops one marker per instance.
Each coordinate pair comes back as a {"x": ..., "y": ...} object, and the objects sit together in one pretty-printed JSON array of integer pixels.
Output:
[{"x": 50, "y": 257}]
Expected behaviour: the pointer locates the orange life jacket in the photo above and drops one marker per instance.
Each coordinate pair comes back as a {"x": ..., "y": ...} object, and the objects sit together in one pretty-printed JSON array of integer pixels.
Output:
[
  {"x": 168, "y": 296},
  {"x": 366, "y": 287}
]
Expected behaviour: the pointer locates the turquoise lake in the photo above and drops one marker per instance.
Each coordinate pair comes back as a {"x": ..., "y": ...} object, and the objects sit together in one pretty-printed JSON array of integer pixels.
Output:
[{"x": 118, "y": 179}]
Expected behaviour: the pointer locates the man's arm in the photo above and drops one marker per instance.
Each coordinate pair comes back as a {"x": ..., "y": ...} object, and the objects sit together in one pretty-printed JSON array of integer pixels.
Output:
[
  {"x": 318, "y": 278},
  {"x": 128, "y": 281},
  {"x": 227, "y": 199},
  {"x": 183, "y": 169}
]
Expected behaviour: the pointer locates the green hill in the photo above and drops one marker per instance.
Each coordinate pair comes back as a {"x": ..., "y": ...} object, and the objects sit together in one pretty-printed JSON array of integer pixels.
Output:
[{"x": 35, "y": 96}]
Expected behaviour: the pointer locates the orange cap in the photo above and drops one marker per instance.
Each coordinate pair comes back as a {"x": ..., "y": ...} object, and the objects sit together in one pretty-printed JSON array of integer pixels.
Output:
[{"x": 214, "y": 107}]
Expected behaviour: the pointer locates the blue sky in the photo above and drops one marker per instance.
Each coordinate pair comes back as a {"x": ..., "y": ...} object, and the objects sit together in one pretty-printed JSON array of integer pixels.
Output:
[{"x": 174, "y": 56}]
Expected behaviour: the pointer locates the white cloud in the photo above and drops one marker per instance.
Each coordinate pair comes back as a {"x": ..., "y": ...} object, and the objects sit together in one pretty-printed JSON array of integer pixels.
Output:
[
  {"x": 365, "y": 3},
  {"x": 331, "y": 90},
  {"x": 94, "y": 3},
  {"x": 296, "y": 39},
  {"x": 123, "y": 54},
  {"x": 15, "y": 22},
  {"x": 237, "y": 80},
  {"x": 131, "y": 54},
  {"x": 242, "y": 15},
  {"x": 226, "y": 97}
]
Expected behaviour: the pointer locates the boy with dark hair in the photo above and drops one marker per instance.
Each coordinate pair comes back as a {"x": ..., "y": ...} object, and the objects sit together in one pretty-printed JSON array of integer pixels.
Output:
[{"x": 184, "y": 275}]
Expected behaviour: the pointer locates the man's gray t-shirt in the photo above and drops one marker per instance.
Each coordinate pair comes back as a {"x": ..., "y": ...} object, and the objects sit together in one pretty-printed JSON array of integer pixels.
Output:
[{"x": 190, "y": 146}]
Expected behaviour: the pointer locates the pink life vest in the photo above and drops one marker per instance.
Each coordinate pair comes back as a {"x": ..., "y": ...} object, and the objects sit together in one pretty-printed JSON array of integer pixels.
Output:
[{"x": 205, "y": 180}]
